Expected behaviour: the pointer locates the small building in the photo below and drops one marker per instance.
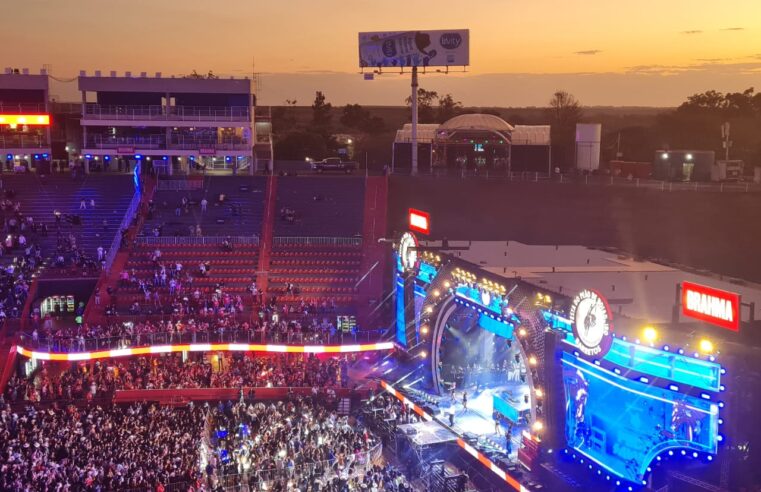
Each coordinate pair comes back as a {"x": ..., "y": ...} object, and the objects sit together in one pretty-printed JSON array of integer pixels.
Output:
[
  {"x": 475, "y": 142},
  {"x": 24, "y": 119},
  {"x": 683, "y": 165}
]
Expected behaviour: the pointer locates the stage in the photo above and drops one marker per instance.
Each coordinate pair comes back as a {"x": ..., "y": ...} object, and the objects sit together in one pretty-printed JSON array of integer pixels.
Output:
[{"x": 477, "y": 420}]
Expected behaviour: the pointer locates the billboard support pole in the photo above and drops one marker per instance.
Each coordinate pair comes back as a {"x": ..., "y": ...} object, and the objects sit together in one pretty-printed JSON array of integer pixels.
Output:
[{"x": 413, "y": 103}]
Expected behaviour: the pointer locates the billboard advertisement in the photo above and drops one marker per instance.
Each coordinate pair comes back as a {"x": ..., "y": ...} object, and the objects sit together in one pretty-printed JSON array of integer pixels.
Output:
[
  {"x": 718, "y": 307},
  {"x": 415, "y": 48},
  {"x": 622, "y": 425}
]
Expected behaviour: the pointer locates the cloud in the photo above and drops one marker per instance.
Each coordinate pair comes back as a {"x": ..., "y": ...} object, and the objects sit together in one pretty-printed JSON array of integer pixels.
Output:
[
  {"x": 733, "y": 29},
  {"x": 715, "y": 66},
  {"x": 694, "y": 31},
  {"x": 587, "y": 52}
]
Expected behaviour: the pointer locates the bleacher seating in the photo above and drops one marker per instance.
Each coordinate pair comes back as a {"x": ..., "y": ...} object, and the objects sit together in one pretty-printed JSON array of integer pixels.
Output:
[
  {"x": 324, "y": 206},
  {"x": 318, "y": 273},
  {"x": 241, "y": 214},
  {"x": 40, "y": 196},
  {"x": 235, "y": 270}
]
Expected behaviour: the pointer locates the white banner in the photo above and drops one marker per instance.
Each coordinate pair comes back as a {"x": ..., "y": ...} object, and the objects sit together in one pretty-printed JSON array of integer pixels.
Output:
[{"x": 415, "y": 48}]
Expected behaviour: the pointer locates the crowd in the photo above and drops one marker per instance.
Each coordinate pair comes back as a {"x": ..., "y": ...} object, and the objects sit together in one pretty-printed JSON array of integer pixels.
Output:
[
  {"x": 300, "y": 443},
  {"x": 204, "y": 327},
  {"x": 170, "y": 371},
  {"x": 21, "y": 255},
  {"x": 140, "y": 447}
]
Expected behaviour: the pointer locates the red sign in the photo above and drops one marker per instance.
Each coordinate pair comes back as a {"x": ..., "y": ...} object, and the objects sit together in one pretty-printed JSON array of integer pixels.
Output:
[
  {"x": 207, "y": 151},
  {"x": 25, "y": 119},
  {"x": 718, "y": 307},
  {"x": 125, "y": 150},
  {"x": 420, "y": 221}
]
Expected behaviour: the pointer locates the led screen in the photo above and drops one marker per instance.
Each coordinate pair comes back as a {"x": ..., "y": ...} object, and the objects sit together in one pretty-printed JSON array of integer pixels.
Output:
[{"x": 622, "y": 424}]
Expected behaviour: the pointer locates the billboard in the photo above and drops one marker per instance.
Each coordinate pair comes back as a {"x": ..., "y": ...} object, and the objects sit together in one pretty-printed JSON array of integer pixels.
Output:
[
  {"x": 414, "y": 48},
  {"x": 622, "y": 425},
  {"x": 714, "y": 306}
]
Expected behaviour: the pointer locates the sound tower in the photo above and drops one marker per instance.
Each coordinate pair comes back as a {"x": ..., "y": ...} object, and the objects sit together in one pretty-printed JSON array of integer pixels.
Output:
[{"x": 554, "y": 393}]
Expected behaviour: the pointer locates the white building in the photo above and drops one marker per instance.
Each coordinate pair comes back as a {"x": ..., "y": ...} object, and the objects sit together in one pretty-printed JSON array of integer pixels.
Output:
[{"x": 176, "y": 123}]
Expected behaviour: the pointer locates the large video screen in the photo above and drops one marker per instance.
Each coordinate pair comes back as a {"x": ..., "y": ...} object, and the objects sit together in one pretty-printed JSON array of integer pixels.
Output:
[{"x": 622, "y": 424}]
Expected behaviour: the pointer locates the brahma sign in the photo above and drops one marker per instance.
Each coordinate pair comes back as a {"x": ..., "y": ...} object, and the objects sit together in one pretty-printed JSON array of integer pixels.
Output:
[{"x": 718, "y": 307}]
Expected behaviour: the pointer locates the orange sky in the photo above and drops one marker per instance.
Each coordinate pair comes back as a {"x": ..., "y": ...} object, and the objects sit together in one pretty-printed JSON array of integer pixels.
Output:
[{"x": 667, "y": 48}]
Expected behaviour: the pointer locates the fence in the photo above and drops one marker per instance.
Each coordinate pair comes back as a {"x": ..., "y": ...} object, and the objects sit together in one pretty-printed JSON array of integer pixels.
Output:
[
  {"x": 70, "y": 344},
  {"x": 117, "y": 242},
  {"x": 332, "y": 242},
  {"x": 496, "y": 175},
  {"x": 179, "y": 184},
  {"x": 158, "y": 112},
  {"x": 195, "y": 241}
]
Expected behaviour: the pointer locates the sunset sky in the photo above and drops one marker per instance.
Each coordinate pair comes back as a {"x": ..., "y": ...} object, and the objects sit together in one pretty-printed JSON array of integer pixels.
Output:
[{"x": 649, "y": 52}]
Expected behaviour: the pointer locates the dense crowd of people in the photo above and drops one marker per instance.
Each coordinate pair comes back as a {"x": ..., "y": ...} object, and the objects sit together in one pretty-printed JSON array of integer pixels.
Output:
[
  {"x": 299, "y": 441},
  {"x": 170, "y": 371},
  {"x": 140, "y": 447},
  {"x": 269, "y": 326}
]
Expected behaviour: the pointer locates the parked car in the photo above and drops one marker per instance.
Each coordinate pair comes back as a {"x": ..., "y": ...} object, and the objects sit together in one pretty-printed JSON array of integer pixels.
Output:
[{"x": 334, "y": 164}]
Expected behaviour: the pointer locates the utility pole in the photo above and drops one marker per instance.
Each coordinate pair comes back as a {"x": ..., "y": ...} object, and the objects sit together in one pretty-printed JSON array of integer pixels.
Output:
[{"x": 414, "y": 120}]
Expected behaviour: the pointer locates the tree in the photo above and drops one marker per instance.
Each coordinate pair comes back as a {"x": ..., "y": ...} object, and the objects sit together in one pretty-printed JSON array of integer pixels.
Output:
[
  {"x": 564, "y": 113},
  {"x": 448, "y": 108},
  {"x": 354, "y": 116},
  {"x": 321, "y": 113},
  {"x": 425, "y": 101}
]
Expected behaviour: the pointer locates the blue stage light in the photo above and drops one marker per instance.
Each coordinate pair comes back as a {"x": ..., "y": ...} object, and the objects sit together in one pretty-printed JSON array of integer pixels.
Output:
[
  {"x": 673, "y": 387},
  {"x": 88, "y": 156},
  {"x": 36, "y": 156},
  {"x": 666, "y": 348},
  {"x": 45, "y": 156},
  {"x": 9, "y": 157},
  {"x": 138, "y": 156},
  {"x": 163, "y": 158}
]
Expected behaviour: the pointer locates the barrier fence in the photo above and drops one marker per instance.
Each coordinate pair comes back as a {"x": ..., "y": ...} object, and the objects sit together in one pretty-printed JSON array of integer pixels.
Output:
[
  {"x": 81, "y": 344},
  {"x": 117, "y": 241},
  {"x": 195, "y": 241},
  {"x": 284, "y": 241}
]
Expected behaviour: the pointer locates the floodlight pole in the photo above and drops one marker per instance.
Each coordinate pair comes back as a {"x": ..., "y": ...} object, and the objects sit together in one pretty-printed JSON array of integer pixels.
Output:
[{"x": 414, "y": 120}]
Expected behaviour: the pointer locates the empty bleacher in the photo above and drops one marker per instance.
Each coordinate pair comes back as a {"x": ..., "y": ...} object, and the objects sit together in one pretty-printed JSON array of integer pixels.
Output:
[
  {"x": 40, "y": 196},
  {"x": 324, "y": 206},
  {"x": 240, "y": 214},
  {"x": 319, "y": 272},
  {"x": 319, "y": 251}
]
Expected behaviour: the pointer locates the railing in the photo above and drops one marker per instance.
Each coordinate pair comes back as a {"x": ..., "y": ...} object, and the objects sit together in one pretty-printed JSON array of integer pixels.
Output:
[
  {"x": 68, "y": 344},
  {"x": 179, "y": 184},
  {"x": 501, "y": 175},
  {"x": 23, "y": 142},
  {"x": 195, "y": 241},
  {"x": 361, "y": 463},
  {"x": 166, "y": 113},
  {"x": 117, "y": 241},
  {"x": 160, "y": 142},
  {"x": 23, "y": 108},
  {"x": 144, "y": 142},
  {"x": 353, "y": 242}
]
